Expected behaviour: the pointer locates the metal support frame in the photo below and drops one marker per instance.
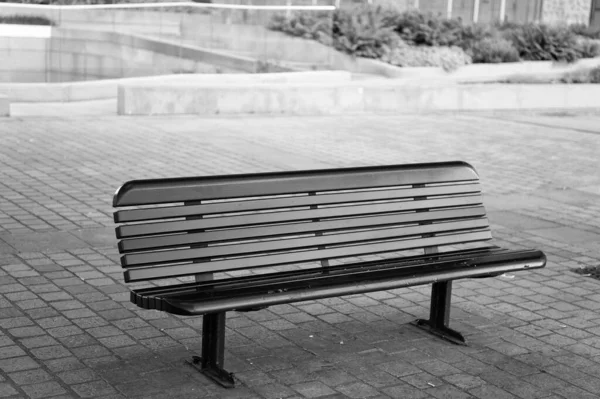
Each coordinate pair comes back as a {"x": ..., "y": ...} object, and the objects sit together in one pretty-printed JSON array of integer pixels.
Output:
[
  {"x": 213, "y": 350},
  {"x": 440, "y": 314}
]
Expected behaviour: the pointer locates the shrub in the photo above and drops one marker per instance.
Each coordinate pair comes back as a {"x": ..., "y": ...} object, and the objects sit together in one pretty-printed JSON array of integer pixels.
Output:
[
  {"x": 471, "y": 34},
  {"x": 372, "y": 31},
  {"x": 448, "y": 58},
  {"x": 582, "y": 76},
  {"x": 493, "y": 51},
  {"x": 595, "y": 75},
  {"x": 362, "y": 32},
  {"x": 588, "y": 48},
  {"x": 585, "y": 31},
  {"x": 423, "y": 29},
  {"x": 544, "y": 43},
  {"x": 308, "y": 25},
  {"x": 25, "y": 20}
]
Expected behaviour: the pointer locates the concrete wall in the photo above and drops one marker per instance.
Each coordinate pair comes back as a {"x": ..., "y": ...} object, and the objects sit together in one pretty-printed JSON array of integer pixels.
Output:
[
  {"x": 156, "y": 21},
  {"x": 23, "y": 59},
  {"x": 75, "y": 54},
  {"x": 341, "y": 97},
  {"x": 253, "y": 40},
  {"x": 569, "y": 11},
  {"x": 241, "y": 31},
  {"x": 79, "y": 55},
  {"x": 113, "y": 55},
  {"x": 551, "y": 11},
  {"x": 595, "y": 17}
]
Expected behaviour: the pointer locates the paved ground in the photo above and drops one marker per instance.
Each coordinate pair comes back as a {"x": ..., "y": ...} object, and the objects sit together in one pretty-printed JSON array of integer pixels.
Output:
[{"x": 68, "y": 330}]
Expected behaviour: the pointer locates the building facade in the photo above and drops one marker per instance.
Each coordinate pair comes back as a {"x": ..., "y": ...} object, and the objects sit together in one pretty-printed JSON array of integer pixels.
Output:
[
  {"x": 548, "y": 11},
  {"x": 569, "y": 11}
]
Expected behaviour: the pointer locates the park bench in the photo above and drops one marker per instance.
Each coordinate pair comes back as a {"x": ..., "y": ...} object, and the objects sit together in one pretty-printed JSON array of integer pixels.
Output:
[{"x": 249, "y": 241}]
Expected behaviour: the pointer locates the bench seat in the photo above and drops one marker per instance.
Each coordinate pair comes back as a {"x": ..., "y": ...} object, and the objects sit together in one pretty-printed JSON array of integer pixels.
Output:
[{"x": 263, "y": 290}]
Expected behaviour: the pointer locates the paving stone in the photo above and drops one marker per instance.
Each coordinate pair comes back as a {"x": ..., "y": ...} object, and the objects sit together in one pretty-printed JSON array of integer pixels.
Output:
[
  {"x": 464, "y": 381},
  {"x": 439, "y": 368},
  {"x": 116, "y": 341},
  {"x": 422, "y": 380},
  {"x": 15, "y": 321},
  {"x": 60, "y": 332},
  {"x": 490, "y": 392},
  {"x": 93, "y": 389},
  {"x": 399, "y": 368},
  {"x": 89, "y": 352},
  {"x": 314, "y": 389},
  {"x": 63, "y": 364},
  {"x": 77, "y": 376},
  {"x": 30, "y": 376},
  {"x": 357, "y": 390},
  {"x": 43, "y": 390},
  {"x": 11, "y": 351},
  {"x": 21, "y": 332},
  {"x": 405, "y": 391},
  {"x": 75, "y": 341},
  {"x": 274, "y": 390},
  {"x": 5, "y": 341},
  {"x": 447, "y": 392},
  {"x": 7, "y": 390},
  {"x": 18, "y": 364}
]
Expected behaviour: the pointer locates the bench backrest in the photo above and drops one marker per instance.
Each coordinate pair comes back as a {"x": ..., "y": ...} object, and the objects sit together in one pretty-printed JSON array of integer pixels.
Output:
[{"x": 188, "y": 226}]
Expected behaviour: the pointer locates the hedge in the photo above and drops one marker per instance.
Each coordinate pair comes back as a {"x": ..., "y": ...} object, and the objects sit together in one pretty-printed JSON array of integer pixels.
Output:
[{"x": 384, "y": 33}]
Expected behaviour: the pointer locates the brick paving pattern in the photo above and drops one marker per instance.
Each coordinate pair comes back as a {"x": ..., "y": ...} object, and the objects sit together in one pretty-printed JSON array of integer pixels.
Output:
[{"x": 68, "y": 330}]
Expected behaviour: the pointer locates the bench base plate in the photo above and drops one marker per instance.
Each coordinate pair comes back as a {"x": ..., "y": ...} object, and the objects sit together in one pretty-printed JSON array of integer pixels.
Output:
[
  {"x": 443, "y": 332},
  {"x": 218, "y": 375}
]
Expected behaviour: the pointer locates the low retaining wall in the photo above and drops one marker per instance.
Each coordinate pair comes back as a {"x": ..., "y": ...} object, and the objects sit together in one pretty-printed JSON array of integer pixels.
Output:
[
  {"x": 356, "y": 96},
  {"x": 473, "y": 73},
  {"x": 4, "y": 105},
  {"x": 108, "y": 88}
]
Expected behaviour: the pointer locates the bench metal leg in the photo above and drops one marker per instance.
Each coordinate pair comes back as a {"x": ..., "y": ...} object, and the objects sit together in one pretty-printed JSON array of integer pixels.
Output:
[
  {"x": 213, "y": 350},
  {"x": 440, "y": 314}
]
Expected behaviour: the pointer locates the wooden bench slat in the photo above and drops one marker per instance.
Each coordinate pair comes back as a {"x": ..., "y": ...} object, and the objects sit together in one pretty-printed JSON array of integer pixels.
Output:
[
  {"x": 290, "y": 244},
  {"x": 174, "y": 270},
  {"x": 309, "y": 278},
  {"x": 257, "y": 232},
  {"x": 136, "y": 215},
  {"x": 369, "y": 283},
  {"x": 206, "y": 288},
  {"x": 294, "y": 216},
  {"x": 161, "y": 191}
]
